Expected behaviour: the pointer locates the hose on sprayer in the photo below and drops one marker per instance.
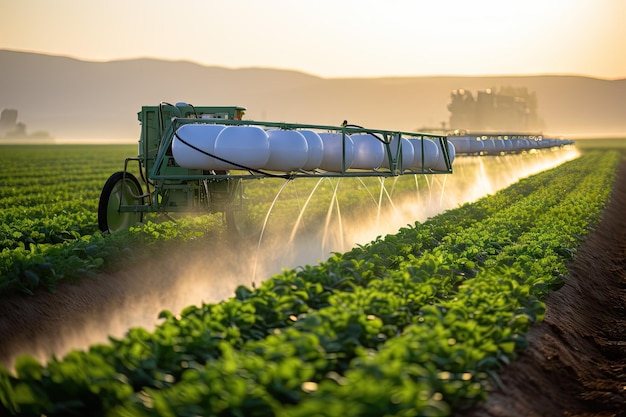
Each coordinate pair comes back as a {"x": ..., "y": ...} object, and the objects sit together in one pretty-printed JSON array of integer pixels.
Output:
[
  {"x": 195, "y": 148},
  {"x": 346, "y": 124}
]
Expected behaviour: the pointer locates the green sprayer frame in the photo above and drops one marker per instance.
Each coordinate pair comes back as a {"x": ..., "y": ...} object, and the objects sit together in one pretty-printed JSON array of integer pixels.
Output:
[{"x": 171, "y": 188}]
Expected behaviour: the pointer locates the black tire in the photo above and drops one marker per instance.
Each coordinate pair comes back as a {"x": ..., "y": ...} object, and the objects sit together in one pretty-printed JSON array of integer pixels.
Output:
[
  {"x": 233, "y": 223},
  {"x": 238, "y": 225},
  {"x": 113, "y": 194}
]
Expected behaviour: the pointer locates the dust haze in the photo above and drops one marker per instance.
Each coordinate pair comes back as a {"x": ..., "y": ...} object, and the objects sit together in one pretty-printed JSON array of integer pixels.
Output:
[
  {"x": 110, "y": 304},
  {"x": 59, "y": 95}
]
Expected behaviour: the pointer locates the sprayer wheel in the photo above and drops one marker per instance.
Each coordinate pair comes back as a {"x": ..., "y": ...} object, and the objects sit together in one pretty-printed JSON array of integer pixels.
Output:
[
  {"x": 236, "y": 222},
  {"x": 239, "y": 224},
  {"x": 231, "y": 222},
  {"x": 119, "y": 189},
  {"x": 234, "y": 208}
]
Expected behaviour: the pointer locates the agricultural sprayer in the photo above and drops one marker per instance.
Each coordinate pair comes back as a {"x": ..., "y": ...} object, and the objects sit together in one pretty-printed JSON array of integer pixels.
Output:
[
  {"x": 500, "y": 143},
  {"x": 196, "y": 160}
]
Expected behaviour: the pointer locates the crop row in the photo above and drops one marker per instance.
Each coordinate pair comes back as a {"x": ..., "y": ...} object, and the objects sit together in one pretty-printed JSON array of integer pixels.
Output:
[
  {"x": 48, "y": 213},
  {"x": 416, "y": 323},
  {"x": 48, "y": 206},
  {"x": 48, "y": 217},
  {"x": 50, "y": 194}
]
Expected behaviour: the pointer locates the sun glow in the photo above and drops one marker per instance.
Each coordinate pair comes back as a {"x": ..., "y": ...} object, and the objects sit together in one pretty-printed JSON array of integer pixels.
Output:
[{"x": 335, "y": 39}]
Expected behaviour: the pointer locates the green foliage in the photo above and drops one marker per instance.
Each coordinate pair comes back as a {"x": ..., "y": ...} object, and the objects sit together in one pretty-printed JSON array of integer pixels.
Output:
[
  {"x": 48, "y": 217},
  {"x": 416, "y": 323}
]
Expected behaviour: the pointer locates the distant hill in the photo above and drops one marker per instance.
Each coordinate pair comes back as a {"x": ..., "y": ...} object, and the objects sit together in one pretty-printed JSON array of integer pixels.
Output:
[{"x": 71, "y": 98}]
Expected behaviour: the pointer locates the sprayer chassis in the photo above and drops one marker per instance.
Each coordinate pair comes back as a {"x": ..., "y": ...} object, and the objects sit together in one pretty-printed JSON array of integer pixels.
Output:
[{"x": 171, "y": 188}]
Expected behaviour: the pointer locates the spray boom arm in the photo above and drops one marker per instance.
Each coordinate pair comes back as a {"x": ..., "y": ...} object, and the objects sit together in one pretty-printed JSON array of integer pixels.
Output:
[{"x": 195, "y": 159}]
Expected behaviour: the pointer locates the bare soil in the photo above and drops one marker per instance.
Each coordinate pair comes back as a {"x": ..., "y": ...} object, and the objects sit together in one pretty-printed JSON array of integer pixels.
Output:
[{"x": 575, "y": 364}]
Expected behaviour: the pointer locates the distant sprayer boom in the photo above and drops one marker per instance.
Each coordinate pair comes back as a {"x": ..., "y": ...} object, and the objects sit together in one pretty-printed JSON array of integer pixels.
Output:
[{"x": 194, "y": 159}]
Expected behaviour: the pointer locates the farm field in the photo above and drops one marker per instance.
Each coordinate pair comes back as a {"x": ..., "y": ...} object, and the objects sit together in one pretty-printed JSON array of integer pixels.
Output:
[
  {"x": 434, "y": 261},
  {"x": 49, "y": 198},
  {"x": 49, "y": 227}
]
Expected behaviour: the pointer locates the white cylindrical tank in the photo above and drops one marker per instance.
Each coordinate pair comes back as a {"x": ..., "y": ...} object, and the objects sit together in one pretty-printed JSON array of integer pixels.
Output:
[
  {"x": 489, "y": 146},
  {"x": 199, "y": 136},
  {"x": 440, "y": 165},
  {"x": 476, "y": 145},
  {"x": 334, "y": 158},
  {"x": 404, "y": 147},
  {"x": 429, "y": 155},
  {"x": 315, "y": 152},
  {"x": 246, "y": 146},
  {"x": 461, "y": 143},
  {"x": 288, "y": 150},
  {"x": 526, "y": 144},
  {"x": 369, "y": 152}
]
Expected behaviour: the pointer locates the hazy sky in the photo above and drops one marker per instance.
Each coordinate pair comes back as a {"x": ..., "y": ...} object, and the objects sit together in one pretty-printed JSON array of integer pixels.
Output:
[{"x": 334, "y": 38}]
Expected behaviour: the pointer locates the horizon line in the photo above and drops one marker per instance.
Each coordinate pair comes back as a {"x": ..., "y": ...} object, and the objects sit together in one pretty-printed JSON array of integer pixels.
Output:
[{"x": 343, "y": 77}]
